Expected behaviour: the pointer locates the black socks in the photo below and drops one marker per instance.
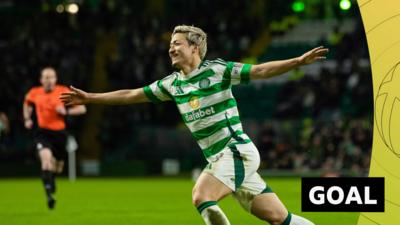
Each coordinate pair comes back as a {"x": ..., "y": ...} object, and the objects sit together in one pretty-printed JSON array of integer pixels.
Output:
[{"x": 49, "y": 187}]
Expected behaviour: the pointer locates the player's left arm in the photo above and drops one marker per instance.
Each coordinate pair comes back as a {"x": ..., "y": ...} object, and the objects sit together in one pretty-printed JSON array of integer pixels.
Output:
[
  {"x": 76, "y": 110},
  {"x": 274, "y": 68}
]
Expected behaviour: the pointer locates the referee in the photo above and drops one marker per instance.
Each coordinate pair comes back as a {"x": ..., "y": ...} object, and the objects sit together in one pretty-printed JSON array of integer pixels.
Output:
[{"x": 50, "y": 136}]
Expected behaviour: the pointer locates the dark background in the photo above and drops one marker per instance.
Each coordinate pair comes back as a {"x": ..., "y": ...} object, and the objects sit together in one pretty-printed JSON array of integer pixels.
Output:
[{"x": 314, "y": 119}]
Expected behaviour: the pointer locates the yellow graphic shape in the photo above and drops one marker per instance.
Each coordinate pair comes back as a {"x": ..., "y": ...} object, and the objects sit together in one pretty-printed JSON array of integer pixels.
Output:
[{"x": 381, "y": 19}]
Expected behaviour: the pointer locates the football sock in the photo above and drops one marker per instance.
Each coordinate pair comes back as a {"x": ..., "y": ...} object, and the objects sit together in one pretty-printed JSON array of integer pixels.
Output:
[
  {"x": 292, "y": 219},
  {"x": 47, "y": 182},
  {"x": 212, "y": 214},
  {"x": 53, "y": 182}
]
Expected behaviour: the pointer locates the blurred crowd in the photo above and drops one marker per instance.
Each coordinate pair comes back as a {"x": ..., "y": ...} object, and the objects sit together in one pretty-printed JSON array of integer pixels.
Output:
[
  {"x": 337, "y": 146},
  {"x": 331, "y": 112}
]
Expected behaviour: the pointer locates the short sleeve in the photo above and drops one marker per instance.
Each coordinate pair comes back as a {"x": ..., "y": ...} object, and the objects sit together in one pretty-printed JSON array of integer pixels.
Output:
[
  {"x": 158, "y": 91},
  {"x": 238, "y": 73},
  {"x": 30, "y": 97}
]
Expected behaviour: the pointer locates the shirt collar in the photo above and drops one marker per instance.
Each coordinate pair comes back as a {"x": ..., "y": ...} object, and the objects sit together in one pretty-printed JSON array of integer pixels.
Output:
[{"x": 191, "y": 74}]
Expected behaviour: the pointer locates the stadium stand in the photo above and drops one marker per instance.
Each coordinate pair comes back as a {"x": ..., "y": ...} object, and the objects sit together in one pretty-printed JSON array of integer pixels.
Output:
[{"x": 314, "y": 118}]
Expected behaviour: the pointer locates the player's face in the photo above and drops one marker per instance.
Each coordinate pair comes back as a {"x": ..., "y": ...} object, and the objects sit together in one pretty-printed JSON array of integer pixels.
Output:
[
  {"x": 180, "y": 51},
  {"x": 48, "y": 79}
]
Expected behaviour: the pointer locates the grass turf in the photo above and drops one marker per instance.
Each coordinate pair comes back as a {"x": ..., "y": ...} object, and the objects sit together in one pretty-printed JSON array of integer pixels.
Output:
[{"x": 134, "y": 202}]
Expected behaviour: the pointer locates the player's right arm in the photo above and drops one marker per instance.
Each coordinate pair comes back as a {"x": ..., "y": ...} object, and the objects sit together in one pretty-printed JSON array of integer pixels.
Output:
[
  {"x": 120, "y": 97},
  {"x": 27, "y": 112},
  {"x": 27, "y": 109}
]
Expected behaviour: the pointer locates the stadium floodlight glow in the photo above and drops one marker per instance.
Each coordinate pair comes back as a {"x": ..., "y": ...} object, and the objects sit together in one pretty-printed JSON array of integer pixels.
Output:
[
  {"x": 60, "y": 8},
  {"x": 345, "y": 4},
  {"x": 298, "y": 6},
  {"x": 72, "y": 8}
]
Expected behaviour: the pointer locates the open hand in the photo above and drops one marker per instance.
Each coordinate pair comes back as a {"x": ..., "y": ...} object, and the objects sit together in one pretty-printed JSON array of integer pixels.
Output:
[
  {"x": 74, "y": 97},
  {"x": 313, "y": 55}
]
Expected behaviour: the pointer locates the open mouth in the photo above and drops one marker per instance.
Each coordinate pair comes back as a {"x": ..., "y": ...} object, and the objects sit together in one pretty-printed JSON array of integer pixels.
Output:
[{"x": 174, "y": 56}]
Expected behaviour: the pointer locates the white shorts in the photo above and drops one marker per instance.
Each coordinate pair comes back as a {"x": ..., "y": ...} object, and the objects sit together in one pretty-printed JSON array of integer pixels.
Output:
[{"x": 236, "y": 166}]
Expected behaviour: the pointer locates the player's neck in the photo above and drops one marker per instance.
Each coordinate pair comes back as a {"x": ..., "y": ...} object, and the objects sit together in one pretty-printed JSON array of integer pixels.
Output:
[
  {"x": 188, "y": 68},
  {"x": 48, "y": 90}
]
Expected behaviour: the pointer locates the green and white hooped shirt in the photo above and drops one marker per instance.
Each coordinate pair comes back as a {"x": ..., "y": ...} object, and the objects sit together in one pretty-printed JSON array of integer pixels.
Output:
[{"x": 205, "y": 101}]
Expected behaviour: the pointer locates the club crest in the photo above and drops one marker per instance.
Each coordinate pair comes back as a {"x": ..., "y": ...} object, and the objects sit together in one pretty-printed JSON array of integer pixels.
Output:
[{"x": 204, "y": 83}]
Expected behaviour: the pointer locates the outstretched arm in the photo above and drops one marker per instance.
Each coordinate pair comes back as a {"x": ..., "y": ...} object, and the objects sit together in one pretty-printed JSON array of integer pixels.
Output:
[
  {"x": 273, "y": 68},
  {"x": 121, "y": 97}
]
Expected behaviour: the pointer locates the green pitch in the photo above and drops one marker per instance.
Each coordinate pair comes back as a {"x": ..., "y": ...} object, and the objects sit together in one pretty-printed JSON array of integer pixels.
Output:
[{"x": 134, "y": 202}]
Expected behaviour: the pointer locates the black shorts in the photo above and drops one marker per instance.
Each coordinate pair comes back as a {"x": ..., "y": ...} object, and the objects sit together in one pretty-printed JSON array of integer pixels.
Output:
[{"x": 54, "y": 140}]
